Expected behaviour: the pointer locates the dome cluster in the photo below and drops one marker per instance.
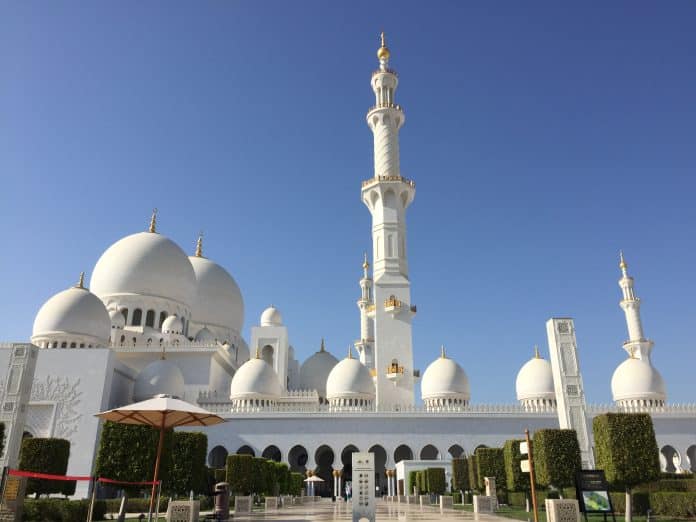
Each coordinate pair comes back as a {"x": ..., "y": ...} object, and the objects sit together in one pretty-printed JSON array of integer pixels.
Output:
[{"x": 145, "y": 290}]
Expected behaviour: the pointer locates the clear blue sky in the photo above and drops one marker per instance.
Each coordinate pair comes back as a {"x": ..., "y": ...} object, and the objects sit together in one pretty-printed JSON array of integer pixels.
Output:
[{"x": 543, "y": 138}]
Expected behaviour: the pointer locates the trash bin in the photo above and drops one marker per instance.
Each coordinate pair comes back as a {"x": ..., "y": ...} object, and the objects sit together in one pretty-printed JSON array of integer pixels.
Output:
[{"x": 222, "y": 501}]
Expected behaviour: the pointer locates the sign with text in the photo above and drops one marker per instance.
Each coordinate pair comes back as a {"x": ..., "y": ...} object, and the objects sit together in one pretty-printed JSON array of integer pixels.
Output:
[
  {"x": 524, "y": 450},
  {"x": 593, "y": 491}
]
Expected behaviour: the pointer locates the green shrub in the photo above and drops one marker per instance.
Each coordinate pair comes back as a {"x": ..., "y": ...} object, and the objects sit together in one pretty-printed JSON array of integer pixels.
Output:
[
  {"x": 673, "y": 485},
  {"x": 220, "y": 475},
  {"x": 281, "y": 473},
  {"x": 472, "y": 464},
  {"x": 556, "y": 457},
  {"x": 460, "y": 474},
  {"x": 135, "y": 505},
  {"x": 491, "y": 463},
  {"x": 457, "y": 497},
  {"x": 296, "y": 483},
  {"x": 641, "y": 502},
  {"x": 412, "y": 482},
  {"x": 436, "y": 480},
  {"x": 679, "y": 505},
  {"x": 60, "y": 510},
  {"x": 517, "y": 498},
  {"x": 515, "y": 479},
  {"x": 188, "y": 471},
  {"x": 239, "y": 474},
  {"x": 46, "y": 456}
]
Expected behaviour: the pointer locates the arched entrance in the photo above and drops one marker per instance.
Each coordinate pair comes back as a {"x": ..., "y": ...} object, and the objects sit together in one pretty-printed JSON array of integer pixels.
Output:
[
  {"x": 691, "y": 455},
  {"x": 246, "y": 450},
  {"x": 429, "y": 452},
  {"x": 297, "y": 459},
  {"x": 670, "y": 459},
  {"x": 272, "y": 453},
  {"x": 380, "y": 468},
  {"x": 347, "y": 461},
  {"x": 403, "y": 452},
  {"x": 324, "y": 458},
  {"x": 456, "y": 451},
  {"x": 217, "y": 458}
]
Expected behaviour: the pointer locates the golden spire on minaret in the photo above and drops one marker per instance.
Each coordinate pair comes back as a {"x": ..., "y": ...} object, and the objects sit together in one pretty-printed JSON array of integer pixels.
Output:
[
  {"x": 153, "y": 221},
  {"x": 383, "y": 52},
  {"x": 366, "y": 265},
  {"x": 199, "y": 245},
  {"x": 81, "y": 281},
  {"x": 536, "y": 352},
  {"x": 622, "y": 262},
  {"x": 442, "y": 352}
]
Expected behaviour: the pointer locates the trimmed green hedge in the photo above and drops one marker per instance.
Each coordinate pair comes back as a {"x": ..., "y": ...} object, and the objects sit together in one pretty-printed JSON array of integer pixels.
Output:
[
  {"x": 626, "y": 465},
  {"x": 641, "y": 502},
  {"x": 296, "y": 483},
  {"x": 46, "y": 456},
  {"x": 556, "y": 457},
  {"x": 188, "y": 465},
  {"x": 472, "y": 463},
  {"x": 456, "y": 497},
  {"x": 517, "y": 498},
  {"x": 514, "y": 478},
  {"x": 491, "y": 463},
  {"x": 61, "y": 510},
  {"x": 460, "y": 474},
  {"x": 436, "y": 480},
  {"x": 239, "y": 474},
  {"x": 412, "y": 482},
  {"x": 668, "y": 504}
]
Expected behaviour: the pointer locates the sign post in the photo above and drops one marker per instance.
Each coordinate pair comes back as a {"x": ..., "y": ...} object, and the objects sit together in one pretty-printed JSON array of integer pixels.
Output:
[
  {"x": 528, "y": 467},
  {"x": 363, "y": 486}
]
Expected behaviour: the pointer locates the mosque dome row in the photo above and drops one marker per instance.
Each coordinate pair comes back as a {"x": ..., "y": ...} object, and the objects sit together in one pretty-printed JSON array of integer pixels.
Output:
[{"x": 144, "y": 280}]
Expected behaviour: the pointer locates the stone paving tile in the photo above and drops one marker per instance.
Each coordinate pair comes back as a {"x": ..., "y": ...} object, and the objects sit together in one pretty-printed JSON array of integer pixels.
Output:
[{"x": 327, "y": 510}]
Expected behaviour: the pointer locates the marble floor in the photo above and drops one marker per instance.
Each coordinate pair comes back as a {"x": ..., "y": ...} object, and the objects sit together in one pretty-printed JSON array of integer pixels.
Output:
[{"x": 327, "y": 510}]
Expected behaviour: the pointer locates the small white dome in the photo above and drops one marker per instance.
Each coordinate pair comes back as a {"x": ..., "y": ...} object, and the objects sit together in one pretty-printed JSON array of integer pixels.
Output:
[
  {"x": 75, "y": 311},
  {"x": 117, "y": 319},
  {"x": 444, "y": 379},
  {"x": 271, "y": 317},
  {"x": 636, "y": 379},
  {"x": 255, "y": 379},
  {"x": 205, "y": 336},
  {"x": 535, "y": 380},
  {"x": 315, "y": 371},
  {"x": 172, "y": 325},
  {"x": 218, "y": 299},
  {"x": 148, "y": 264},
  {"x": 350, "y": 379},
  {"x": 159, "y": 377}
]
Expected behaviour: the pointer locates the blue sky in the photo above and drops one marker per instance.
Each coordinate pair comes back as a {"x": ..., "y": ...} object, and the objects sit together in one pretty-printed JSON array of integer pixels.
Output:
[{"x": 543, "y": 137}]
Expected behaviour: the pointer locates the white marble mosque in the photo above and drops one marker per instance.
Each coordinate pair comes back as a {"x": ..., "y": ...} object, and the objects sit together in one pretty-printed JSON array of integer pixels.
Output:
[{"x": 154, "y": 320}]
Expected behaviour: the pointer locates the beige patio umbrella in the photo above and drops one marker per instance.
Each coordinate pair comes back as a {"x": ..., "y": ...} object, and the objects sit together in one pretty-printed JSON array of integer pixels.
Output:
[
  {"x": 162, "y": 412},
  {"x": 312, "y": 480}
]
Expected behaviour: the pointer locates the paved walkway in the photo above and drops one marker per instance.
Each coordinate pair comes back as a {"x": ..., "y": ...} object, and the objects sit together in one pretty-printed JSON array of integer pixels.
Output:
[{"x": 327, "y": 510}]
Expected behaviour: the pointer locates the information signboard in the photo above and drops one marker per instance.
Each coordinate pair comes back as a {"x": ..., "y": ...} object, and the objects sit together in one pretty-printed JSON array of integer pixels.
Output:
[
  {"x": 592, "y": 491},
  {"x": 363, "y": 501}
]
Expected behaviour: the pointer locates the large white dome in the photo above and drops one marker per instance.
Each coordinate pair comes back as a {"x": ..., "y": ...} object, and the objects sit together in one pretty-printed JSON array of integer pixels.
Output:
[
  {"x": 637, "y": 380},
  {"x": 535, "y": 380},
  {"x": 148, "y": 264},
  {"x": 314, "y": 372},
  {"x": 350, "y": 379},
  {"x": 75, "y": 312},
  {"x": 445, "y": 379},
  {"x": 255, "y": 379},
  {"x": 159, "y": 377},
  {"x": 218, "y": 299}
]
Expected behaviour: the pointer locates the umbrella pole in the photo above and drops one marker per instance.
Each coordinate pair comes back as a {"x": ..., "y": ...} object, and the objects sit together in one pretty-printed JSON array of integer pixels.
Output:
[{"x": 157, "y": 465}]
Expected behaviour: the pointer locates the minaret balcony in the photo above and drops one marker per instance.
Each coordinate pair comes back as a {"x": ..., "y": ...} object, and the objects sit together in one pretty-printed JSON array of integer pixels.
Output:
[
  {"x": 395, "y": 106},
  {"x": 395, "y": 306},
  {"x": 382, "y": 71},
  {"x": 392, "y": 179},
  {"x": 395, "y": 373}
]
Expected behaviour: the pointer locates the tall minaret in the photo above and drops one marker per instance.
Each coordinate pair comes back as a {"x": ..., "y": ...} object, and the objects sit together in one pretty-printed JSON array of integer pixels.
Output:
[
  {"x": 387, "y": 195},
  {"x": 365, "y": 345},
  {"x": 637, "y": 345}
]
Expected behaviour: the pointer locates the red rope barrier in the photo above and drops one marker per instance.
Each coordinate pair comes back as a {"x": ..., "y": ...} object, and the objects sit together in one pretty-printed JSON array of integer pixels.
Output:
[
  {"x": 34, "y": 475},
  {"x": 112, "y": 481}
]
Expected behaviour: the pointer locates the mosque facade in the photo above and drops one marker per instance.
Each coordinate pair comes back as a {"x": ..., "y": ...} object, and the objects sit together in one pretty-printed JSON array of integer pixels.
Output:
[{"x": 154, "y": 320}]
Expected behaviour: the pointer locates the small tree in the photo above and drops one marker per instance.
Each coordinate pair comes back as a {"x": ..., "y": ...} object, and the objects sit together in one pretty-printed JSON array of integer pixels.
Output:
[
  {"x": 436, "y": 480},
  {"x": 412, "y": 482},
  {"x": 460, "y": 474},
  {"x": 516, "y": 480},
  {"x": 296, "y": 481},
  {"x": 239, "y": 474},
  {"x": 472, "y": 464},
  {"x": 188, "y": 471},
  {"x": 46, "y": 456},
  {"x": 626, "y": 449},
  {"x": 491, "y": 463},
  {"x": 556, "y": 457}
]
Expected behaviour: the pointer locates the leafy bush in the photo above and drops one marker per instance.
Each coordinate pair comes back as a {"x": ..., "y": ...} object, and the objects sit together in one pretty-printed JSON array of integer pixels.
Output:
[
  {"x": 412, "y": 482},
  {"x": 188, "y": 470},
  {"x": 436, "y": 480},
  {"x": 60, "y": 510},
  {"x": 491, "y": 463},
  {"x": 460, "y": 474},
  {"x": 641, "y": 502},
  {"x": 457, "y": 497},
  {"x": 680, "y": 505},
  {"x": 673, "y": 485},
  {"x": 514, "y": 478},
  {"x": 472, "y": 464},
  {"x": 296, "y": 482},
  {"x": 46, "y": 456},
  {"x": 556, "y": 457},
  {"x": 128, "y": 452},
  {"x": 282, "y": 477},
  {"x": 239, "y": 474}
]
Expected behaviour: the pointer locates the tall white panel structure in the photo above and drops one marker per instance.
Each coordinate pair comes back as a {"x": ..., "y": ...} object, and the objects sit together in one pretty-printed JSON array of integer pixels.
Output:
[
  {"x": 387, "y": 195},
  {"x": 567, "y": 382}
]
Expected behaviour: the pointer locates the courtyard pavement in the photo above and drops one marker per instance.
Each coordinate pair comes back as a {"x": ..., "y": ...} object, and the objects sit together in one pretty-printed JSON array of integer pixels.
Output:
[{"x": 327, "y": 510}]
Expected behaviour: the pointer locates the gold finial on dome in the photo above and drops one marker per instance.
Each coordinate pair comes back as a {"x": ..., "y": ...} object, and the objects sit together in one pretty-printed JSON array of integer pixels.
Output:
[
  {"x": 536, "y": 352},
  {"x": 321, "y": 348},
  {"x": 622, "y": 262},
  {"x": 153, "y": 221},
  {"x": 443, "y": 355},
  {"x": 366, "y": 264},
  {"x": 350, "y": 352},
  {"x": 383, "y": 52},
  {"x": 199, "y": 245},
  {"x": 81, "y": 281}
]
